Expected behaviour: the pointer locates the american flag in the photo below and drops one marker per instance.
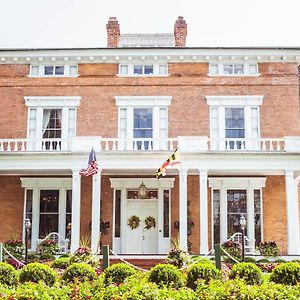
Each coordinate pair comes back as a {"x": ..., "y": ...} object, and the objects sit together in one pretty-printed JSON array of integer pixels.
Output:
[{"x": 92, "y": 167}]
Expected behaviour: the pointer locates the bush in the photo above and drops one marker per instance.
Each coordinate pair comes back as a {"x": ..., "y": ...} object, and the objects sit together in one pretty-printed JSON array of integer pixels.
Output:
[
  {"x": 36, "y": 272},
  {"x": 49, "y": 247},
  {"x": 280, "y": 260},
  {"x": 15, "y": 247},
  {"x": 263, "y": 261},
  {"x": 202, "y": 271},
  {"x": 166, "y": 275},
  {"x": 82, "y": 254},
  {"x": 232, "y": 248},
  {"x": 250, "y": 259},
  {"x": 47, "y": 257},
  {"x": 268, "y": 248},
  {"x": 178, "y": 257},
  {"x": 61, "y": 263},
  {"x": 288, "y": 274},
  {"x": 117, "y": 273},
  {"x": 8, "y": 274},
  {"x": 80, "y": 271},
  {"x": 249, "y": 272}
]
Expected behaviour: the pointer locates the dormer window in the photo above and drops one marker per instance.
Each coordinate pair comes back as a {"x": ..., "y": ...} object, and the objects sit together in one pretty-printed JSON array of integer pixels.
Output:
[
  {"x": 143, "y": 70},
  {"x": 229, "y": 69},
  {"x": 53, "y": 71}
]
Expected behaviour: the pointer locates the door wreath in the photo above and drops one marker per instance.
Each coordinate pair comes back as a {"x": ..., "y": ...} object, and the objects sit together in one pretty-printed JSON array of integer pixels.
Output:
[
  {"x": 134, "y": 222},
  {"x": 150, "y": 222}
]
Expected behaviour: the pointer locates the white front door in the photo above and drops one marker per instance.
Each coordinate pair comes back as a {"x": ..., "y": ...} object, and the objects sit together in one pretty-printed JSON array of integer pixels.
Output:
[{"x": 141, "y": 240}]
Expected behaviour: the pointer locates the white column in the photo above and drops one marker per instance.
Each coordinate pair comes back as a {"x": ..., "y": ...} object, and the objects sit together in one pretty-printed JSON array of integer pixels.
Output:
[
  {"x": 96, "y": 198},
  {"x": 76, "y": 197},
  {"x": 203, "y": 212},
  {"x": 292, "y": 210},
  {"x": 183, "y": 209},
  {"x": 223, "y": 215},
  {"x": 250, "y": 217}
]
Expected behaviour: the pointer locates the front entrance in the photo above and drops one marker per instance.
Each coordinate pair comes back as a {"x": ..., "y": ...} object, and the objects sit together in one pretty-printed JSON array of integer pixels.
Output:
[{"x": 141, "y": 240}]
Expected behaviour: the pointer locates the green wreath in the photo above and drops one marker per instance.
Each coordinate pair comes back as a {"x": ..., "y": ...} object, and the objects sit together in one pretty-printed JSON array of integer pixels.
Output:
[
  {"x": 150, "y": 222},
  {"x": 134, "y": 222}
]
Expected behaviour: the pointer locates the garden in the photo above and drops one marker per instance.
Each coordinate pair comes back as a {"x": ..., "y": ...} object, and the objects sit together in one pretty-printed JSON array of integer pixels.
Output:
[{"x": 81, "y": 276}]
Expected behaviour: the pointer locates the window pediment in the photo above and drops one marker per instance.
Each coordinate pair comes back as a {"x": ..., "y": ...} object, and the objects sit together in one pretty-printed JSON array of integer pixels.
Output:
[
  {"x": 235, "y": 100},
  {"x": 128, "y": 101}
]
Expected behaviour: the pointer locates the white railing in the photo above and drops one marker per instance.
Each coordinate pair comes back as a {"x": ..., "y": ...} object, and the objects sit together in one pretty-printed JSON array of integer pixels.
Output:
[
  {"x": 24, "y": 145},
  {"x": 137, "y": 144},
  {"x": 238, "y": 144}
]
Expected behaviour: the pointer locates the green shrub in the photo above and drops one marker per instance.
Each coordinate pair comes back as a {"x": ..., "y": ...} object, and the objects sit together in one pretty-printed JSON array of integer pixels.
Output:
[
  {"x": 82, "y": 254},
  {"x": 263, "y": 261},
  {"x": 47, "y": 257},
  {"x": 117, "y": 273},
  {"x": 178, "y": 257},
  {"x": 248, "y": 272},
  {"x": 233, "y": 249},
  {"x": 280, "y": 260},
  {"x": 8, "y": 274},
  {"x": 166, "y": 275},
  {"x": 33, "y": 258},
  {"x": 288, "y": 274},
  {"x": 36, "y": 272},
  {"x": 80, "y": 271},
  {"x": 47, "y": 247},
  {"x": 61, "y": 263},
  {"x": 268, "y": 248},
  {"x": 202, "y": 271},
  {"x": 250, "y": 259},
  {"x": 15, "y": 247}
]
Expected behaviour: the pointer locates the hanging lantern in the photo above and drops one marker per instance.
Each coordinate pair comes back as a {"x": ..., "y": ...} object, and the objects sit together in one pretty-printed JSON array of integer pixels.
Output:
[{"x": 142, "y": 191}]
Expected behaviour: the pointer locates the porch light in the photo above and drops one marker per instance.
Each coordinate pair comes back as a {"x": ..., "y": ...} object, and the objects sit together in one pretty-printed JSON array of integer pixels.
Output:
[
  {"x": 27, "y": 230},
  {"x": 142, "y": 191},
  {"x": 243, "y": 225}
]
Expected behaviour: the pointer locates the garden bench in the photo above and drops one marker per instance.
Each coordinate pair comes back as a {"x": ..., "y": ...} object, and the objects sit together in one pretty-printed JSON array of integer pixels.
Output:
[
  {"x": 62, "y": 243},
  {"x": 249, "y": 244}
]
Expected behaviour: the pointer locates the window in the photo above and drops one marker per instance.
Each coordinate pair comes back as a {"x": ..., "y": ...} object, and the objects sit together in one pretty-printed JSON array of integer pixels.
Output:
[
  {"x": 216, "y": 216},
  {"x": 143, "y": 69},
  {"x": 117, "y": 213},
  {"x": 28, "y": 210},
  {"x": 143, "y": 122},
  {"x": 51, "y": 122},
  {"x": 166, "y": 213},
  {"x": 257, "y": 216},
  {"x": 53, "y": 70},
  {"x": 242, "y": 69},
  {"x": 234, "y": 122},
  {"x": 68, "y": 214}
]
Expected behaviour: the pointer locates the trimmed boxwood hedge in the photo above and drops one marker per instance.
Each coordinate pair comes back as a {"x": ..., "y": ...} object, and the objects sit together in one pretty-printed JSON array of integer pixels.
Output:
[
  {"x": 8, "y": 274},
  {"x": 203, "y": 271},
  {"x": 36, "y": 272},
  {"x": 287, "y": 273},
  {"x": 79, "y": 271},
  {"x": 117, "y": 273},
  {"x": 166, "y": 275},
  {"x": 248, "y": 272},
  {"x": 61, "y": 263}
]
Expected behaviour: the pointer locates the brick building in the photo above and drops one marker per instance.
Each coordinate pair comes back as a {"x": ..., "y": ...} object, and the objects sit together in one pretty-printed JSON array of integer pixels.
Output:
[{"x": 232, "y": 112}]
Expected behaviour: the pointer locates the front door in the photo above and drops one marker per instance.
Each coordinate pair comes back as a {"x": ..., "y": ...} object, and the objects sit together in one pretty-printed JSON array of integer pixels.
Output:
[{"x": 141, "y": 240}]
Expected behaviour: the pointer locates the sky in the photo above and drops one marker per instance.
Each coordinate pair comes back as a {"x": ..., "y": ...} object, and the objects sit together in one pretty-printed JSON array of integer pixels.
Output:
[{"x": 81, "y": 23}]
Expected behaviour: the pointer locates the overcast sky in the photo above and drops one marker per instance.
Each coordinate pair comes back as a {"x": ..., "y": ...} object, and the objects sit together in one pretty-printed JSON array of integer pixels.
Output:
[{"x": 81, "y": 23}]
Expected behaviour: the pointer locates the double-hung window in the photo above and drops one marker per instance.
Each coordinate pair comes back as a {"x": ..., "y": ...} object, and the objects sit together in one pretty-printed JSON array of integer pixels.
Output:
[
  {"x": 53, "y": 71},
  {"x": 143, "y": 122},
  {"x": 233, "y": 69},
  {"x": 51, "y": 122},
  {"x": 234, "y": 122},
  {"x": 143, "y": 70}
]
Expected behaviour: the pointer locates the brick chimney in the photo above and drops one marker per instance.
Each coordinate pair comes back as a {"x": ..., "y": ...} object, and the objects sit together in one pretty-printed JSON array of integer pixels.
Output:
[
  {"x": 113, "y": 32},
  {"x": 180, "y": 32}
]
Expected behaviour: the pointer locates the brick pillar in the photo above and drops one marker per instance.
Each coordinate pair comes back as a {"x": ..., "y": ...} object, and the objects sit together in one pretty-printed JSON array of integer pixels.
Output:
[
  {"x": 180, "y": 32},
  {"x": 113, "y": 32}
]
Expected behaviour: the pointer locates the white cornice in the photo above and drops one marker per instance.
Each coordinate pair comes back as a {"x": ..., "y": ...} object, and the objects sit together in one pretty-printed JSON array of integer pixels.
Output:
[
  {"x": 114, "y": 55},
  {"x": 135, "y": 182},
  {"x": 52, "y": 101},
  {"x": 143, "y": 100},
  {"x": 244, "y": 100},
  {"x": 236, "y": 183},
  {"x": 46, "y": 182}
]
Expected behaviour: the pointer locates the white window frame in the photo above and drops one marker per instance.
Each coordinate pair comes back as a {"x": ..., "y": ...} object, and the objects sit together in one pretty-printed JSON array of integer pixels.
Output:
[
  {"x": 246, "y": 69},
  {"x": 38, "y": 184},
  {"x": 247, "y": 103},
  {"x": 65, "y": 103},
  {"x": 131, "y": 102},
  {"x": 130, "y": 69},
  {"x": 246, "y": 183},
  {"x": 41, "y": 70}
]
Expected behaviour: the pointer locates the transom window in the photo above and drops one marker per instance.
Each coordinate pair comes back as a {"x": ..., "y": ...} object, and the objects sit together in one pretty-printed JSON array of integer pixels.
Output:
[
  {"x": 133, "y": 194},
  {"x": 229, "y": 69}
]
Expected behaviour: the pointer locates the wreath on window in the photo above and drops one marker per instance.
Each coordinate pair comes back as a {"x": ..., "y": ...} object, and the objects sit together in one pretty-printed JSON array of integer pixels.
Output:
[
  {"x": 134, "y": 222},
  {"x": 150, "y": 222}
]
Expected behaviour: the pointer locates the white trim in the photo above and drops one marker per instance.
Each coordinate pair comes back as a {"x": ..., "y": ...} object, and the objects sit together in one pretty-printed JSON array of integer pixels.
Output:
[
  {"x": 36, "y": 182},
  {"x": 241, "y": 100},
  {"x": 131, "y": 183},
  {"x": 246, "y": 69},
  {"x": 52, "y": 101},
  {"x": 127, "y": 101},
  {"x": 41, "y": 70},
  {"x": 237, "y": 182}
]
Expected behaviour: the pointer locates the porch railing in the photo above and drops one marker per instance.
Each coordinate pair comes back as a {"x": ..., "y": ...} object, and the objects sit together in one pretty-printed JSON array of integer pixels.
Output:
[{"x": 185, "y": 143}]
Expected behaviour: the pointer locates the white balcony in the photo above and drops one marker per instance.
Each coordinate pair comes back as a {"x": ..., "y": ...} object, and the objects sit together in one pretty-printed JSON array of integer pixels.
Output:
[{"x": 185, "y": 143}]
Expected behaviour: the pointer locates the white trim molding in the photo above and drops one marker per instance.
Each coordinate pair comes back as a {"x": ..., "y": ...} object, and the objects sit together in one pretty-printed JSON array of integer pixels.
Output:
[
  {"x": 241, "y": 100},
  {"x": 143, "y": 101},
  {"x": 237, "y": 182},
  {"x": 36, "y": 182},
  {"x": 132, "y": 183},
  {"x": 52, "y": 101}
]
